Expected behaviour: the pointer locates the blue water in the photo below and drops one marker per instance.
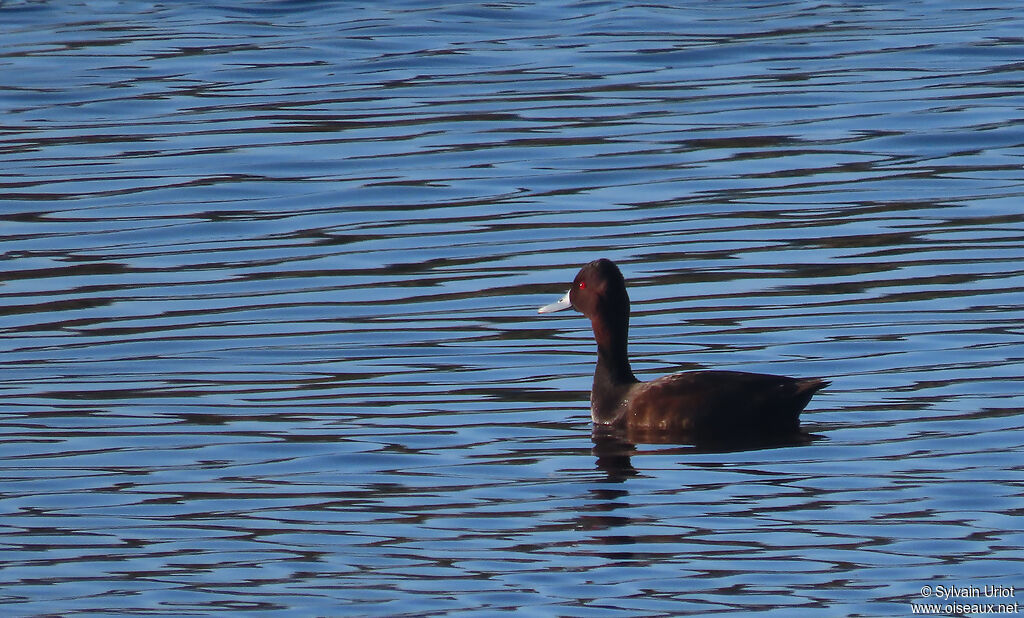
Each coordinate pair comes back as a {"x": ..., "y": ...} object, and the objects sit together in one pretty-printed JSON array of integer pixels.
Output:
[{"x": 270, "y": 272}]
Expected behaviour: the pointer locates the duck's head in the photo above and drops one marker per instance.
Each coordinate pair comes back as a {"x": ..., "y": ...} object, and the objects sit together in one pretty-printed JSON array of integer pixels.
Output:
[{"x": 599, "y": 290}]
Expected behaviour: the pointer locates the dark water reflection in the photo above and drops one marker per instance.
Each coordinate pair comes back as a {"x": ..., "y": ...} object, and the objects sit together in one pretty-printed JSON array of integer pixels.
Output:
[{"x": 268, "y": 285}]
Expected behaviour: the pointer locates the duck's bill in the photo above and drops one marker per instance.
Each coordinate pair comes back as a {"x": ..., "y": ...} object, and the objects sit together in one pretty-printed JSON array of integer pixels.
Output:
[{"x": 558, "y": 305}]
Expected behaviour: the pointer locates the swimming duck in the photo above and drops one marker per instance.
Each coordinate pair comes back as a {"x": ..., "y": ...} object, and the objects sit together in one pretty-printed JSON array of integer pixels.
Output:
[{"x": 713, "y": 404}]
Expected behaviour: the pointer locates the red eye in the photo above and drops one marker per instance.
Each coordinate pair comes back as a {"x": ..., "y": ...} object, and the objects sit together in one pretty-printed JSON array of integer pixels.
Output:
[{"x": 583, "y": 285}]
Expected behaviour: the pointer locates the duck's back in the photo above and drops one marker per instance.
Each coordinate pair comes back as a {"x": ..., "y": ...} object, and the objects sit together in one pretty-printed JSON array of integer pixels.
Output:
[{"x": 723, "y": 404}]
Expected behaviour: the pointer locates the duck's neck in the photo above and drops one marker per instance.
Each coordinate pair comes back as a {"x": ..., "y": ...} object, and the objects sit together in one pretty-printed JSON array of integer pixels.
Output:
[{"x": 613, "y": 376}]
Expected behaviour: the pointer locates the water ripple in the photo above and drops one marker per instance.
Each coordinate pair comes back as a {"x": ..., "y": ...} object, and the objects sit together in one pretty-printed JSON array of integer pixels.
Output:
[{"x": 268, "y": 285}]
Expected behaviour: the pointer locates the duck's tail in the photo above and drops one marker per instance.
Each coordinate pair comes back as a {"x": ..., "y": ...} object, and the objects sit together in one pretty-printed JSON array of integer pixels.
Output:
[{"x": 809, "y": 386}]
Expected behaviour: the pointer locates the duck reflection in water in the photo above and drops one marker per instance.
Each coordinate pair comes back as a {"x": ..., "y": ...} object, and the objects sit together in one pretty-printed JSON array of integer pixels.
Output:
[
  {"x": 610, "y": 507},
  {"x": 717, "y": 408},
  {"x": 615, "y": 447}
]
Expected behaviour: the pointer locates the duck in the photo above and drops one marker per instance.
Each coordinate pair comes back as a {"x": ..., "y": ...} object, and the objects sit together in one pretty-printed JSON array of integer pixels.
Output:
[{"x": 702, "y": 405}]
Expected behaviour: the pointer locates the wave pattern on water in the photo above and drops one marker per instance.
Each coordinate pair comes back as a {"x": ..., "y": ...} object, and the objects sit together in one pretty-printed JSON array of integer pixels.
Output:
[{"x": 269, "y": 277}]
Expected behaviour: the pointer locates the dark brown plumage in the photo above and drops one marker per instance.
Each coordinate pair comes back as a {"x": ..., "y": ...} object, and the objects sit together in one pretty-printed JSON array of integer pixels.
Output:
[{"x": 698, "y": 404}]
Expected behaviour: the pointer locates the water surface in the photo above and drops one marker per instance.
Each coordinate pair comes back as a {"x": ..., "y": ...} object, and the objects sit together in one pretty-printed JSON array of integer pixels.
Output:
[{"x": 269, "y": 282}]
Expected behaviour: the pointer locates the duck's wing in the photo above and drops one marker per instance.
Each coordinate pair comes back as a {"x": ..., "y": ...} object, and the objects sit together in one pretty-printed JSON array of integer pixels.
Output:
[{"x": 722, "y": 403}]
